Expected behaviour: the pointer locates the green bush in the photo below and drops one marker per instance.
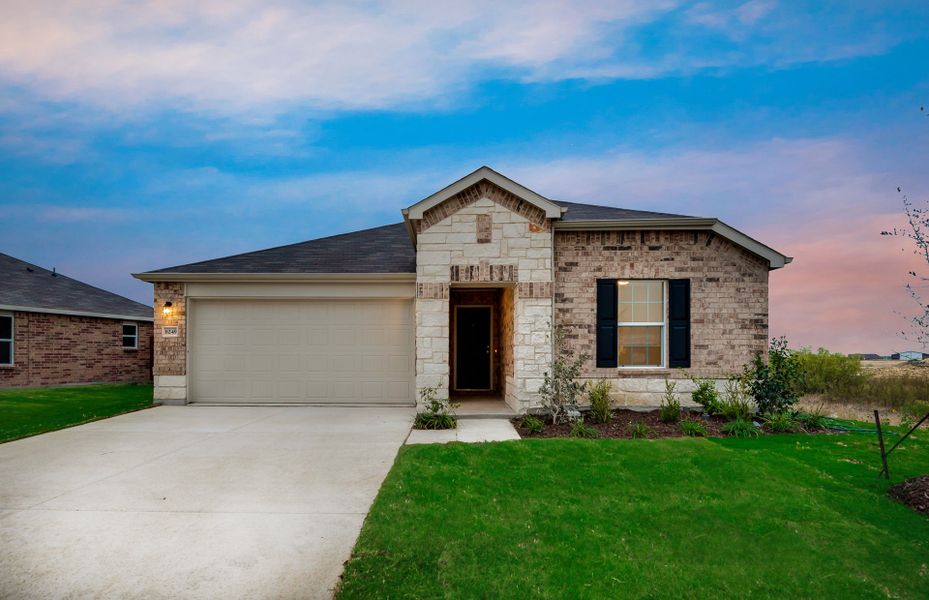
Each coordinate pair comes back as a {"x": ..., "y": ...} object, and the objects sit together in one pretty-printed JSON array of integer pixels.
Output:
[
  {"x": 813, "y": 419},
  {"x": 693, "y": 428},
  {"x": 706, "y": 395},
  {"x": 435, "y": 414},
  {"x": 828, "y": 373},
  {"x": 774, "y": 384},
  {"x": 670, "y": 409},
  {"x": 639, "y": 430},
  {"x": 735, "y": 403},
  {"x": 782, "y": 422},
  {"x": 580, "y": 429},
  {"x": 601, "y": 404},
  {"x": 740, "y": 428},
  {"x": 532, "y": 424}
]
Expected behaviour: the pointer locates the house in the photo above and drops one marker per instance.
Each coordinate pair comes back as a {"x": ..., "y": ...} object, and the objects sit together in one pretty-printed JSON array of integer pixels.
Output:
[
  {"x": 461, "y": 296},
  {"x": 57, "y": 330},
  {"x": 909, "y": 355}
]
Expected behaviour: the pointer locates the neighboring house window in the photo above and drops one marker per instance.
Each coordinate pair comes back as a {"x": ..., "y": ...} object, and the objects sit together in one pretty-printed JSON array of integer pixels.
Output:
[
  {"x": 6, "y": 339},
  {"x": 130, "y": 336},
  {"x": 641, "y": 323}
]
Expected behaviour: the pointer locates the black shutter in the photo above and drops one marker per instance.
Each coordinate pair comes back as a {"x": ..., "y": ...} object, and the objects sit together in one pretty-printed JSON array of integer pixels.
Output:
[
  {"x": 679, "y": 323},
  {"x": 607, "y": 344}
]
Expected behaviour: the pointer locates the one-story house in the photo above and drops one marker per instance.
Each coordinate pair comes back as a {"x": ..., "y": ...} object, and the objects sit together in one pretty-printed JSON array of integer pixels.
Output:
[
  {"x": 462, "y": 296},
  {"x": 57, "y": 330}
]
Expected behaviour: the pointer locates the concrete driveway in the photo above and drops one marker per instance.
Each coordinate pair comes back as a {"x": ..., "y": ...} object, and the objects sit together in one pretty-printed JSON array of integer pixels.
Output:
[{"x": 193, "y": 501}]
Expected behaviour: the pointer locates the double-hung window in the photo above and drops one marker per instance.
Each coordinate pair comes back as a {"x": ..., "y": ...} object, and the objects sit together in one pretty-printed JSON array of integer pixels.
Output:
[
  {"x": 6, "y": 340},
  {"x": 130, "y": 336},
  {"x": 641, "y": 323}
]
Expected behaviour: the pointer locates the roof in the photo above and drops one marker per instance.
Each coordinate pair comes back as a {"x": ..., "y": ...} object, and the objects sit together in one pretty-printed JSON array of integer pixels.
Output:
[
  {"x": 385, "y": 250},
  {"x": 31, "y": 288},
  {"x": 592, "y": 212}
]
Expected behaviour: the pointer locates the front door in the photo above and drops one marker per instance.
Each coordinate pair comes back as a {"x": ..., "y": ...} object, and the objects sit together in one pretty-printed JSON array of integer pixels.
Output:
[{"x": 472, "y": 347}]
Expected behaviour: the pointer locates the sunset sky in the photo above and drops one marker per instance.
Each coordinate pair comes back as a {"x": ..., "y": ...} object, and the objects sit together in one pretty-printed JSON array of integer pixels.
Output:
[{"x": 141, "y": 135}]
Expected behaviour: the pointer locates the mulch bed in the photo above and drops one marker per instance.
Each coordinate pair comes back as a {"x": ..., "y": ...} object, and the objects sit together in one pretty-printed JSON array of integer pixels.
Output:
[
  {"x": 623, "y": 418},
  {"x": 913, "y": 493}
]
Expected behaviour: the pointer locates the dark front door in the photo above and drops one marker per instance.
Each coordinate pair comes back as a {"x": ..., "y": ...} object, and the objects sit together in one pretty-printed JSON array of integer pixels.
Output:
[{"x": 472, "y": 347}]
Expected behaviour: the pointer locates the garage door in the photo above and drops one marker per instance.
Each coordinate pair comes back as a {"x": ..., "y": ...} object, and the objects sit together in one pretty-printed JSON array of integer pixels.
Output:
[{"x": 294, "y": 351}]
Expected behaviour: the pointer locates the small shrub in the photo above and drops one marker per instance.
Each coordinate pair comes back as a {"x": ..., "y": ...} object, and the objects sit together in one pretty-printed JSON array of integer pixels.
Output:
[
  {"x": 781, "y": 422},
  {"x": 532, "y": 424},
  {"x": 775, "y": 384},
  {"x": 670, "y": 409},
  {"x": 693, "y": 428},
  {"x": 435, "y": 414},
  {"x": 601, "y": 404},
  {"x": 706, "y": 395},
  {"x": 740, "y": 428},
  {"x": 560, "y": 388},
  {"x": 735, "y": 403},
  {"x": 580, "y": 429},
  {"x": 639, "y": 430},
  {"x": 813, "y": 419}
]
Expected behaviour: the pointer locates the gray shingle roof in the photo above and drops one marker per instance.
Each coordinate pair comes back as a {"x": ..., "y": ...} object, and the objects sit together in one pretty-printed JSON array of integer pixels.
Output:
[
  {"x": 30, "y": 286},
  {"x": 385, "y": 249},
  {"x": 592, "y": 212}
]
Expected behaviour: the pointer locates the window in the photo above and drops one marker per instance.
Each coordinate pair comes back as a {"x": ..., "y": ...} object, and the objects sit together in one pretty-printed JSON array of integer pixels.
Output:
[
  {"x": 6, "y": 339},
  {"x": 641, "y": 323},
  {"x": 130, "y": 336}
]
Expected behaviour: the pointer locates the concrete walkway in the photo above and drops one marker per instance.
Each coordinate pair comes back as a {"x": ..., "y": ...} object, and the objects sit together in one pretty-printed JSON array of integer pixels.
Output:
[
  {"x": 469, "y": 431},
  {"x": 193, "y": 502}
]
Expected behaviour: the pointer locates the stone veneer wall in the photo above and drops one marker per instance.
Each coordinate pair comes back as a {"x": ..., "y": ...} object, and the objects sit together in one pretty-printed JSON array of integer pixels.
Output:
[
  {"x": 518, "y": 255},
  {"x": 170, "y": 367},
  {"x": 729, "y": 301},
  {"x": 53, "y": 349}
]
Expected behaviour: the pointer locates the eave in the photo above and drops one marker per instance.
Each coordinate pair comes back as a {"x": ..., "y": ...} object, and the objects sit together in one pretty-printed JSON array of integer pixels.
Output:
[{"x": 277, "y": 277}]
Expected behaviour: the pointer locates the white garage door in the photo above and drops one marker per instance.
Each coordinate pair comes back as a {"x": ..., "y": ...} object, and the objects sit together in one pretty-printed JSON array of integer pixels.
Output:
[{"x": 292, "y": 351}]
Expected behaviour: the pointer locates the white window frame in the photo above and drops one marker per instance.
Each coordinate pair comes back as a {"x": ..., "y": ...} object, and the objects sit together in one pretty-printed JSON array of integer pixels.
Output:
[
  {"x": 663, "y": 324},
  {"x": 11, "y": 340},
  {"x": 123, "y": 335}
]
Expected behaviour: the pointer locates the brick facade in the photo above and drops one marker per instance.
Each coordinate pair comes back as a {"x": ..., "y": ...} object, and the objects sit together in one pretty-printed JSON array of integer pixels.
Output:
[
  {"x": 729, "y": 300},
  {"x": 170, "y": 368},
  {"x": 50, "y": 349}
]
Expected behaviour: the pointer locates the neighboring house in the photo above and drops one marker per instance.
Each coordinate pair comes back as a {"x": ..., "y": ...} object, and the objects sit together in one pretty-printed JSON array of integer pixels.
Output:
[
  {"x": 56, "y": 330},
  {"x": 461, "y": 296},
  {"x": 909, "y": 355}
]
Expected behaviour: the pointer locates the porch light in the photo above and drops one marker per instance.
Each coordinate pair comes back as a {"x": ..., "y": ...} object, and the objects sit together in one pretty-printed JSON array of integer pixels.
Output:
[
  {"x": 622, "y": 283},
  {"x": 166, "y": 310}
]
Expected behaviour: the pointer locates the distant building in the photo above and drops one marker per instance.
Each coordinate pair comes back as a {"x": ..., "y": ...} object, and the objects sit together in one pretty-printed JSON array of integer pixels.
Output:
[
  {"x": 866, "y": 356},
  {"x": 909, "y": 355}
]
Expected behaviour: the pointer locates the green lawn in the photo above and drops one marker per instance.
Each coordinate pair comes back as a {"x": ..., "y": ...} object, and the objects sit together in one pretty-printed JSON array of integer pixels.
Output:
[
  {"x": 782, "y": 516},
  {"x": 37, "y": 410}
]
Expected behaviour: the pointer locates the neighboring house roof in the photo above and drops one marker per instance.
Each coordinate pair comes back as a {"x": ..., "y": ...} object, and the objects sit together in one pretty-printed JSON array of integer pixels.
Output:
[
  {"x": 30, "y": 288},
  {"x": 386, "y": 252}
]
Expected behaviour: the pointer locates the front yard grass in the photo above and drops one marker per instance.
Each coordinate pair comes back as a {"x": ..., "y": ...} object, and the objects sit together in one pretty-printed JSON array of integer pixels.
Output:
[
  {"x": 25, "y": 412},
  {"x": 780, "y": 516}
]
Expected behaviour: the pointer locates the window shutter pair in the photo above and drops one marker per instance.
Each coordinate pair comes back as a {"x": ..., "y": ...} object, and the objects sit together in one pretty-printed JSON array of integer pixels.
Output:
[{"x": 678, "y": 323}]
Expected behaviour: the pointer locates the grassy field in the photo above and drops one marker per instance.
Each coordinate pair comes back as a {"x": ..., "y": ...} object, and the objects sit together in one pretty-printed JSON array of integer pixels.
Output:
[
  {"x": 25, "y": 412},
  {"x": 774, "y": 517}
]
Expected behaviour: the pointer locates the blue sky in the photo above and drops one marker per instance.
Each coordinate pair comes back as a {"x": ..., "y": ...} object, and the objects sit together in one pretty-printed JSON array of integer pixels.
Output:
[{"x": 141, "y": 135}]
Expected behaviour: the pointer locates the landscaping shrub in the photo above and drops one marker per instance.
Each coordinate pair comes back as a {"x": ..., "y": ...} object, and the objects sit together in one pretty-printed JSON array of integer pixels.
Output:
[
  {"x": 706, "y": 395},
  {"x": 693, "y": 428},
  {"x": 560, "y": 388},
  {"x": 782, "y": 422},
  {"x": 639, "y": 430},
  {"x": 813, "y": 419},
  {"x": 580, "y": 429},
  {"x": 532, "y": 424},
  {"x": 670, "y": 409},
  {"x": 601, "y": 404},
  {"x": 740, "y": 428},
  {"x": 436, "y": 414},
  {"x": 828, "y": 373},
  {"x": 774, "y": 384},
  {"x": 735, "y": 403}
]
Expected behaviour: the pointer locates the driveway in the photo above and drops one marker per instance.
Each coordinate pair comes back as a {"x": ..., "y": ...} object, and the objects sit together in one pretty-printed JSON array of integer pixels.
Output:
[{"x": 193, "y": 501}]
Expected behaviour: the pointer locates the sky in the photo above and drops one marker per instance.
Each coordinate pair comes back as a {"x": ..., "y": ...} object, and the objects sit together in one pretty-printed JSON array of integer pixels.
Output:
[{"x": 140, "y": 135}]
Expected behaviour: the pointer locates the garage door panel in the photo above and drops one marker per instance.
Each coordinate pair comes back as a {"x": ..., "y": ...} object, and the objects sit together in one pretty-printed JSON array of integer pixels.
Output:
[{"x": 344, "y": 351}]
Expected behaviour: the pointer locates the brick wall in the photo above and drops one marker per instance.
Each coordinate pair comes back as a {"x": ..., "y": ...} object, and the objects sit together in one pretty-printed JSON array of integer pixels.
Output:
[
  {"x": 58, "y": 349},
  {"x": 729, "y": 299},
  {"x": 170, "y": 367}
]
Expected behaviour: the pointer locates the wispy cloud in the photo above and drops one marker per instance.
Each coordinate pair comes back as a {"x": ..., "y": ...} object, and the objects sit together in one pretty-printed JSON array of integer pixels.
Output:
[{"x": 236, "y": 56}]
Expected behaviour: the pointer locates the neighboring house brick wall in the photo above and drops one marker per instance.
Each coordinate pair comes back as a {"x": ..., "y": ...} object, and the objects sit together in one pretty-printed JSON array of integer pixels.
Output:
[
  {"x": 51, "y": 349},
  {"x": 452, "y": 249},
  {"x": 171, "y": 352},
  {"x": 729, "y": 301}
]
